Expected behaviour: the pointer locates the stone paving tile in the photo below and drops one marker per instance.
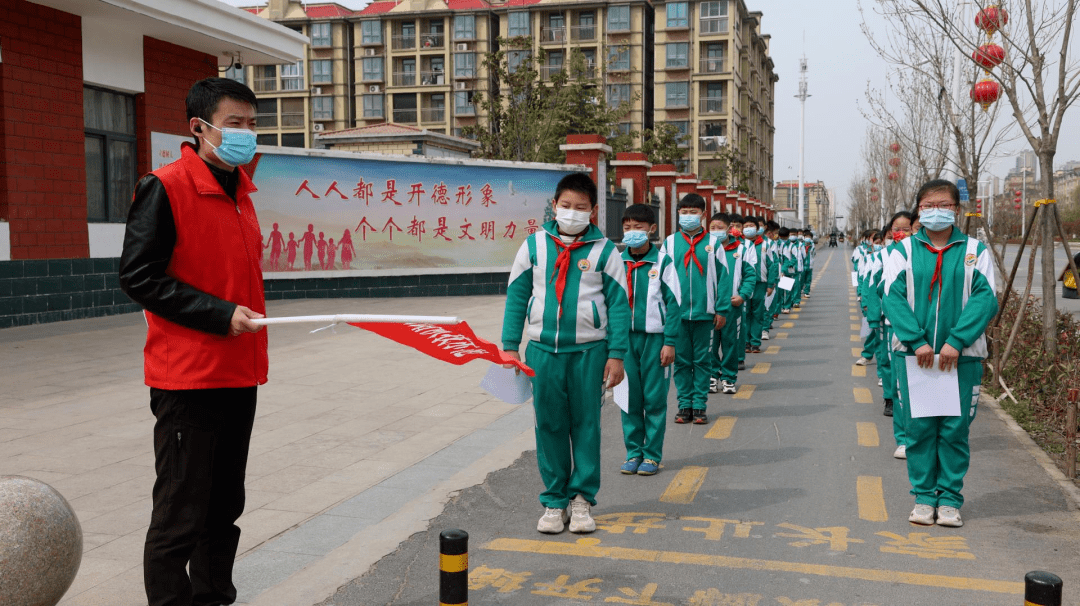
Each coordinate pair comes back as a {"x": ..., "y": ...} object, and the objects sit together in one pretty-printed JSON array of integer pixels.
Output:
[{"x": 261, "y": 570}]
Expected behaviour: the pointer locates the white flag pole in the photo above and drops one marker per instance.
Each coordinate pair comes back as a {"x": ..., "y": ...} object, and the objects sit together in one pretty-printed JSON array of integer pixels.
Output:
[{"x": 376, "y": 319}]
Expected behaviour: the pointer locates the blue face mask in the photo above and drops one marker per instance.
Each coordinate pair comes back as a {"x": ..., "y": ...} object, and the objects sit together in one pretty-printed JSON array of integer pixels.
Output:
[
  {"x": 750, "y": 232},
  {"x": 635, "y": 238},
  {"x": 237, "y": 145},
  {"x": 690, "y": 222},
  {"x": 721, "y": 235},
  {"x": 937, "y": 219}
]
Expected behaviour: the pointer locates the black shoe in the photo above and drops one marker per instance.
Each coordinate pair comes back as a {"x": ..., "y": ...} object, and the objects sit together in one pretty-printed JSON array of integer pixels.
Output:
[
  {"x": 742, "y": 365},
  {"x": 888, "y": 408},
  {"x": 685, "y": 415},
  {"x": 700, "y": 418}
]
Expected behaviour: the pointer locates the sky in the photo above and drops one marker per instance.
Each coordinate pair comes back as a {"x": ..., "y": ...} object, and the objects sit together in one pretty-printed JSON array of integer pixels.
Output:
[{"x": 840, "y": 64}]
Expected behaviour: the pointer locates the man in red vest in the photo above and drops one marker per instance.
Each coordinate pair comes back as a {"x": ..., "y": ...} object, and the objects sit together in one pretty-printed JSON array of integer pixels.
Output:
[{"x": 191, "y": 258}]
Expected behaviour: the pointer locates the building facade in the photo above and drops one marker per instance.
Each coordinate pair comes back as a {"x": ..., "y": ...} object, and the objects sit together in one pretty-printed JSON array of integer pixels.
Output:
[
  {"x": 818, "y": 209},
  {"x": 702, "y": 65}
]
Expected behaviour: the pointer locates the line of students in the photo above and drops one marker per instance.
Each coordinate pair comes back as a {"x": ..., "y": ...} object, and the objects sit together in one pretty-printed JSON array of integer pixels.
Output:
[
  {"x": 926, "y": 291},
  {"x": 691, "y": 309}
]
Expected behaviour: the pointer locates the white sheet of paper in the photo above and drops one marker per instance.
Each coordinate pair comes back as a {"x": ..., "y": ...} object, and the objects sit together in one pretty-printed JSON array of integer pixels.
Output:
[
  {"x": 932, "y": 393},
  {"x": 621, "y": 394},
  {"x": 786, "y": 283},
  {"x": 854, "y": 278},
  {"x": 769, "y": 299},
  {"x": 507, "y": 384},
  {"x": 864, "y": 330}
]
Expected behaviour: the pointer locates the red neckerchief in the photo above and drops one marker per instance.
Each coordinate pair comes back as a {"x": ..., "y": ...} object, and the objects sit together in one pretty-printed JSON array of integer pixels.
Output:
[
  {"x": 630, "y": 267},
  {"x": 940, "y": 252},
  {"x": 732, "y": 245},
  {"x": 690, "y": 254},
  {"x": 562, "y": 264},
  {"x": 758, "y": 241}
]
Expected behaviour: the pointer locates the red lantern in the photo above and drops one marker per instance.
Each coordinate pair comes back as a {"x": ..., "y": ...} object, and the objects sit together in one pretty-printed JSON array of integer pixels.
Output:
[
  {"x": 989, "y": 56},
  {"x": 894, "y": 162},
  {"x": 893, "y": 176},
  {"x": 873, "y": 190},
  {"x": 991, "y": 19},
  {"x": 873, "y": 179},
  {"x": 874, "y": 198},
  {"x": 894, "y": 148},
  {"x": 985, "y": 93}
]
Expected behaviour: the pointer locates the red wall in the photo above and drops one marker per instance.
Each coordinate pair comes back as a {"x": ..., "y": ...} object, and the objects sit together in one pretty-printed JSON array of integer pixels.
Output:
[
  {"x": 42, "y": 154},
  {"x": 169, "y": 72}
]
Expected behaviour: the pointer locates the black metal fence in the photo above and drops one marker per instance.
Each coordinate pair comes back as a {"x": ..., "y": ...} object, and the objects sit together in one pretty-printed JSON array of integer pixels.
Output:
[{"x": 616, "y": 205}]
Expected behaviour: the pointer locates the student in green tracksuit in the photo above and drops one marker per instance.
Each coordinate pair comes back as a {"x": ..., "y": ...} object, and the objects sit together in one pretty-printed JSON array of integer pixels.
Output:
[
  {"x": 703, "y": 305},
  {"x": 900, "y": 224},
  {"x": 654, "y": 290},
  {"x": 939, "y": 298},
  {"x": 788, "y": 267},
  {"x": 735, "y": 234},
  {"x": 811, "y": 251},
  {"x": 772, "y": 235},
  {"x": 900, "y": 227},
  {"x": 568, "y": 289},
  {"x": 741, "y": 262},
  {"x": 754, "y": 231},
  {"x": 870, "y": 343}
]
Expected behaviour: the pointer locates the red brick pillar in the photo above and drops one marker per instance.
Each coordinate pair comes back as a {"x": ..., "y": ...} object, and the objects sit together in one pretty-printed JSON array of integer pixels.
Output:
[
  {"x": 631, "y": 174},
  {"x": 732, "y": 202},
  {"x": 591, "y": 151},
  {"x": 661, "y": 179},
  {"x": 743, "y": 204},
  {"x": 705, "y": 190}
]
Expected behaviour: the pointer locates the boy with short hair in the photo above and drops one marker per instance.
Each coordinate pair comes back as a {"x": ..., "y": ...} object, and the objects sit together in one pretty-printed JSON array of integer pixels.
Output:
[
  {"x": 753, "y": 230},
  {"x": 705, "y": 300},
  {"x": 811, "y": 251},
  {"x": 866, "y": 264},
  {"x": 568, "y": 285},
  {"x": 654, "y": 290},
  {"x": 772, "y": 233},
  {"x": 743, "y": 282},
  {"x": 789, "y": 267}
]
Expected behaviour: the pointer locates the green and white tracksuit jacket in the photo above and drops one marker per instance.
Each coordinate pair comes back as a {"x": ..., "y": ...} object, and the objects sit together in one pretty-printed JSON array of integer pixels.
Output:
[
  {"x": 700, "y": 299},
  {"x": 657, "y": 291}
]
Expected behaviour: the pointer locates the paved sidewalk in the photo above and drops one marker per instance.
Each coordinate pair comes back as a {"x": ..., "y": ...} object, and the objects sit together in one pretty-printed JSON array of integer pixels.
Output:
[{"x": 358, "y": 442}]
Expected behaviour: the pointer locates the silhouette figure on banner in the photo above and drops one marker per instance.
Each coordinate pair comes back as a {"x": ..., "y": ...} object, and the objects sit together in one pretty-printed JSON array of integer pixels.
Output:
[
  {"x": 331, "y": 251},
  {"x": 290, "y": 248},
  {"x": 275, "y": 243},
  {"x": 309, "y": 245},
  {"x": 347, "y": 250},
  {"x": 321, "y": 245}
]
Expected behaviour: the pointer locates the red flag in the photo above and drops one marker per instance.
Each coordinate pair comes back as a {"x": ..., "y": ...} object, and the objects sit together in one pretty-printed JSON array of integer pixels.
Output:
[{"x": 453, "y": 343}]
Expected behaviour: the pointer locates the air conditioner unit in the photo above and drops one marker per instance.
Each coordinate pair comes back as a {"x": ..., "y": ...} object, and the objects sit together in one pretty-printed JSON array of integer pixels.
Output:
[
  {"x": 462, "y": 46},
  {"x": 462, "y": 85},
  {"x": 374, "y": 88},
  {"x": 370, "y": 52},
  {"x": 317, "y": 128},
  {"x": 316, "y": 90}
]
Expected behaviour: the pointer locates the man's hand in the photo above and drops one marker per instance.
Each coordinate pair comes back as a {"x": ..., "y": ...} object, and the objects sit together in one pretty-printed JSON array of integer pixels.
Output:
[
  {"x": 769, "y": 291},
  {"x": 613, "y": 373},
  {"x": 949, "y": 357},
  {"x": 667, "y": 355},
  {"x": 718, "y": 322},
  {"x": 242, "y": 321},
  {"x": 736, "y": 301},
  {"x": 515, "y": 355},
  {"x": 924, "y": 356}
]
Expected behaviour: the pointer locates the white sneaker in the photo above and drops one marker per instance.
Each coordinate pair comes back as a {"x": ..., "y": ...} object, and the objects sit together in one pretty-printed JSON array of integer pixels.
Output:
[
  {"x": 713, "y": 385},
  {"x": 581, "y": 520},
  {"x": 727, "y": 387},
  {"x": 949, "y": 516},
  {"x": 900, "y": 452},
  {"x": 765, "y": 335},
  {"x": 553, "y": 521},
  {"x": 922, "y": 514},
  {"x": 861, "y": 361},
  {"x": 879, "y": 383}
]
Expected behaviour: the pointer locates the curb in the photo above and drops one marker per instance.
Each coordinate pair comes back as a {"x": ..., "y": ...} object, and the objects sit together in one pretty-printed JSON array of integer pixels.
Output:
[{"x": 1068, "y": 487}]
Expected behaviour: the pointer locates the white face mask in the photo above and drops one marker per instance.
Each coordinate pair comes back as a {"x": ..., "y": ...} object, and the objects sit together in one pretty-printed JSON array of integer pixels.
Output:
[{"x": 572, "y": 221}]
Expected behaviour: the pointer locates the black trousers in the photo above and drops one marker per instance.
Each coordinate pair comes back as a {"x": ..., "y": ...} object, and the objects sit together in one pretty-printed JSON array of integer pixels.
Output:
[{"x": 201, "y": 443}]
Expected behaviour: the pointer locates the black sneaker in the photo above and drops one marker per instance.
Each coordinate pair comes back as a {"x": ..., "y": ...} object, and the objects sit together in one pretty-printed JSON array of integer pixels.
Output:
[
  {"x": 888, "y": 408},
  {"x": 700, "y": 417},
  {"x": 742, "y": 365},
  {"x": 685, "y": 415}
]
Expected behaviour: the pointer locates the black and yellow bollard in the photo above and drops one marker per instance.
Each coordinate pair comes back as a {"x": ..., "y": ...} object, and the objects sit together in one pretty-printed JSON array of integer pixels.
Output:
[
  {"x": 454, "y": 568},
  {"x": 1042, "y": 589}
]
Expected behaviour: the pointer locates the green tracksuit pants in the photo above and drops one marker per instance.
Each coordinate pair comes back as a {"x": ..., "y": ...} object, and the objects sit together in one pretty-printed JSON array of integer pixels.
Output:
[
  {"x": 774, "y": 309},
  {"x": 567, "y": 392},
  {"x": 937, "y": 447},
  {"x": 693, "y": 364},
  {"x": 898, "y": 422},
  {"x": 757, "y": 315},
  {"x": 744, "y": 331},
  {"x": 643, "y": 426},
  {"x": 870, "y": 345},
  {"x": 730, "y": 345},
  {"x": 884, "y": 365},
  {"x": 789, "y": 295},
  {"x": 796, "y": 291},
  {"x": 808, "y": 278}
]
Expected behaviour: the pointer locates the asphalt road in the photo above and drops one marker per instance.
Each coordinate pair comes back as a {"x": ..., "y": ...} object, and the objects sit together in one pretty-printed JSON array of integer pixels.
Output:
[
  {"x": 1060, "y": 263},
  {"x": 790, "y": 496}
]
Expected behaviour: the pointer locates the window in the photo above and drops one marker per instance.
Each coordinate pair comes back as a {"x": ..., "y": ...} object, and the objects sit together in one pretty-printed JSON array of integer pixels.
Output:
[
  {"x": 292, "y": 76},
  {"x": 714, "y": 17},
  {"x": 321, "y": 35},
  {"x": 677, "y": 54},
  {"x": 465, "y": 27},
  {"x": 617, "y": 93},
  {"x": 268, "y": 139},
  {"x": 292, "y": 112},
  {"x": 678, "y": 15},
  {"x": 714, "y": 59},
  {"x": 109, "y": 122},
  {"x": 514, "y": 59},
  {"x": 371, "y": 32},
  {"x": 586, "y": 29},
  {"x": 322, "y": 71},
  {"x": 619, "y": 58},
  {"x": 463, "y": 104},
  {"x": 292, "y": 140},
  {"x": 519, "y": 24},
  {"x": 372, "y": 69},
  {"x": 714, "y": 98},
  {"x": 234, "y": 73},
  {"x": 684, "y": 129},
  {"x": 464, "y": 65},
  {"x": 555, "y": 60},
  {"x": 405, "y": 108},
  {"x": 623, "y": 128},
  {"x": 556, "y": 21},
  {"x": 677, "y": 94},
  {"x": 322, "y": 108},
  {"x": 373, "y": 106},
  {"x": 618, "y": 18},
  {"x": 265, "y": 78},
  {"x": 266, "y": 113}
]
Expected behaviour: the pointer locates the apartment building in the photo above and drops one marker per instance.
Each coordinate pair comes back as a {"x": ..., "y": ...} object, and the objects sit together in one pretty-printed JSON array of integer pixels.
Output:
[
  {"x": 818, "y": 208},
  {"x": 702, "y": 65}
]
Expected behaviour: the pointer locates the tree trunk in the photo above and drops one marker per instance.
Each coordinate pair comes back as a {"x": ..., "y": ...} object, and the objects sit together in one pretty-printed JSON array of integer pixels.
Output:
[{"x": 1046, "y": 172}]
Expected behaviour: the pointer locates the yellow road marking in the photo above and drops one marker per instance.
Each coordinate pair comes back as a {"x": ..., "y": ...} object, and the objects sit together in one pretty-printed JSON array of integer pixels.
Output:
[
  {"x": 862, "y": 396},
  {"x": 591, "y": 548},
  {"x": 761, "y": 368},
  {"x": 721, "y": 428},
  {"x": 787, "y": 325},
  {"x": 856, "y": 338},
  {"x": 855, "y": 318},
  {"x": 856, "y": 327},
  {"x": 852, "y": 310},
  {"x": 858, "y": 371},
  {"x": 868, "y": 435},
  {"x": 794, "y": 316},
  {"x": 772, "y": 349},
  {"x": 856, "y": 351},
  {"x": 871, "y": 499},
  {"x": 781, "y": 335},
  {"x": 685, "y": 486},
  {"x": 744, "y": 392}
]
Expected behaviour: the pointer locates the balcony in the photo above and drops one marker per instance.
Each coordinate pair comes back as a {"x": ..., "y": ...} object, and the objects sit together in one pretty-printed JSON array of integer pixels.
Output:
[
  {"x": 432, "y": 78},
  {"x": 712, "y": 26},
  {"x": 403, "y": 42},
  {"x": 618, "y": 36},
  {"x": 711, "y": 65},
  {"x": 432, "y": 42},
  {"x": 675, "y": 66},
  {"x": 405, "y": 79},
  {"x": 547, "y": 72},
  {"x": 552, "y": 35},
  {"x": 583, "y": 33},
  {"x": 432, "y": 114},
  {"x": 265, "y": 85},
  {"x": 465, "y": 110},
  {"x": 713, "y": 105},
  {"x": 711, "y": 144},
  {"x": 404, "y": 116}
]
